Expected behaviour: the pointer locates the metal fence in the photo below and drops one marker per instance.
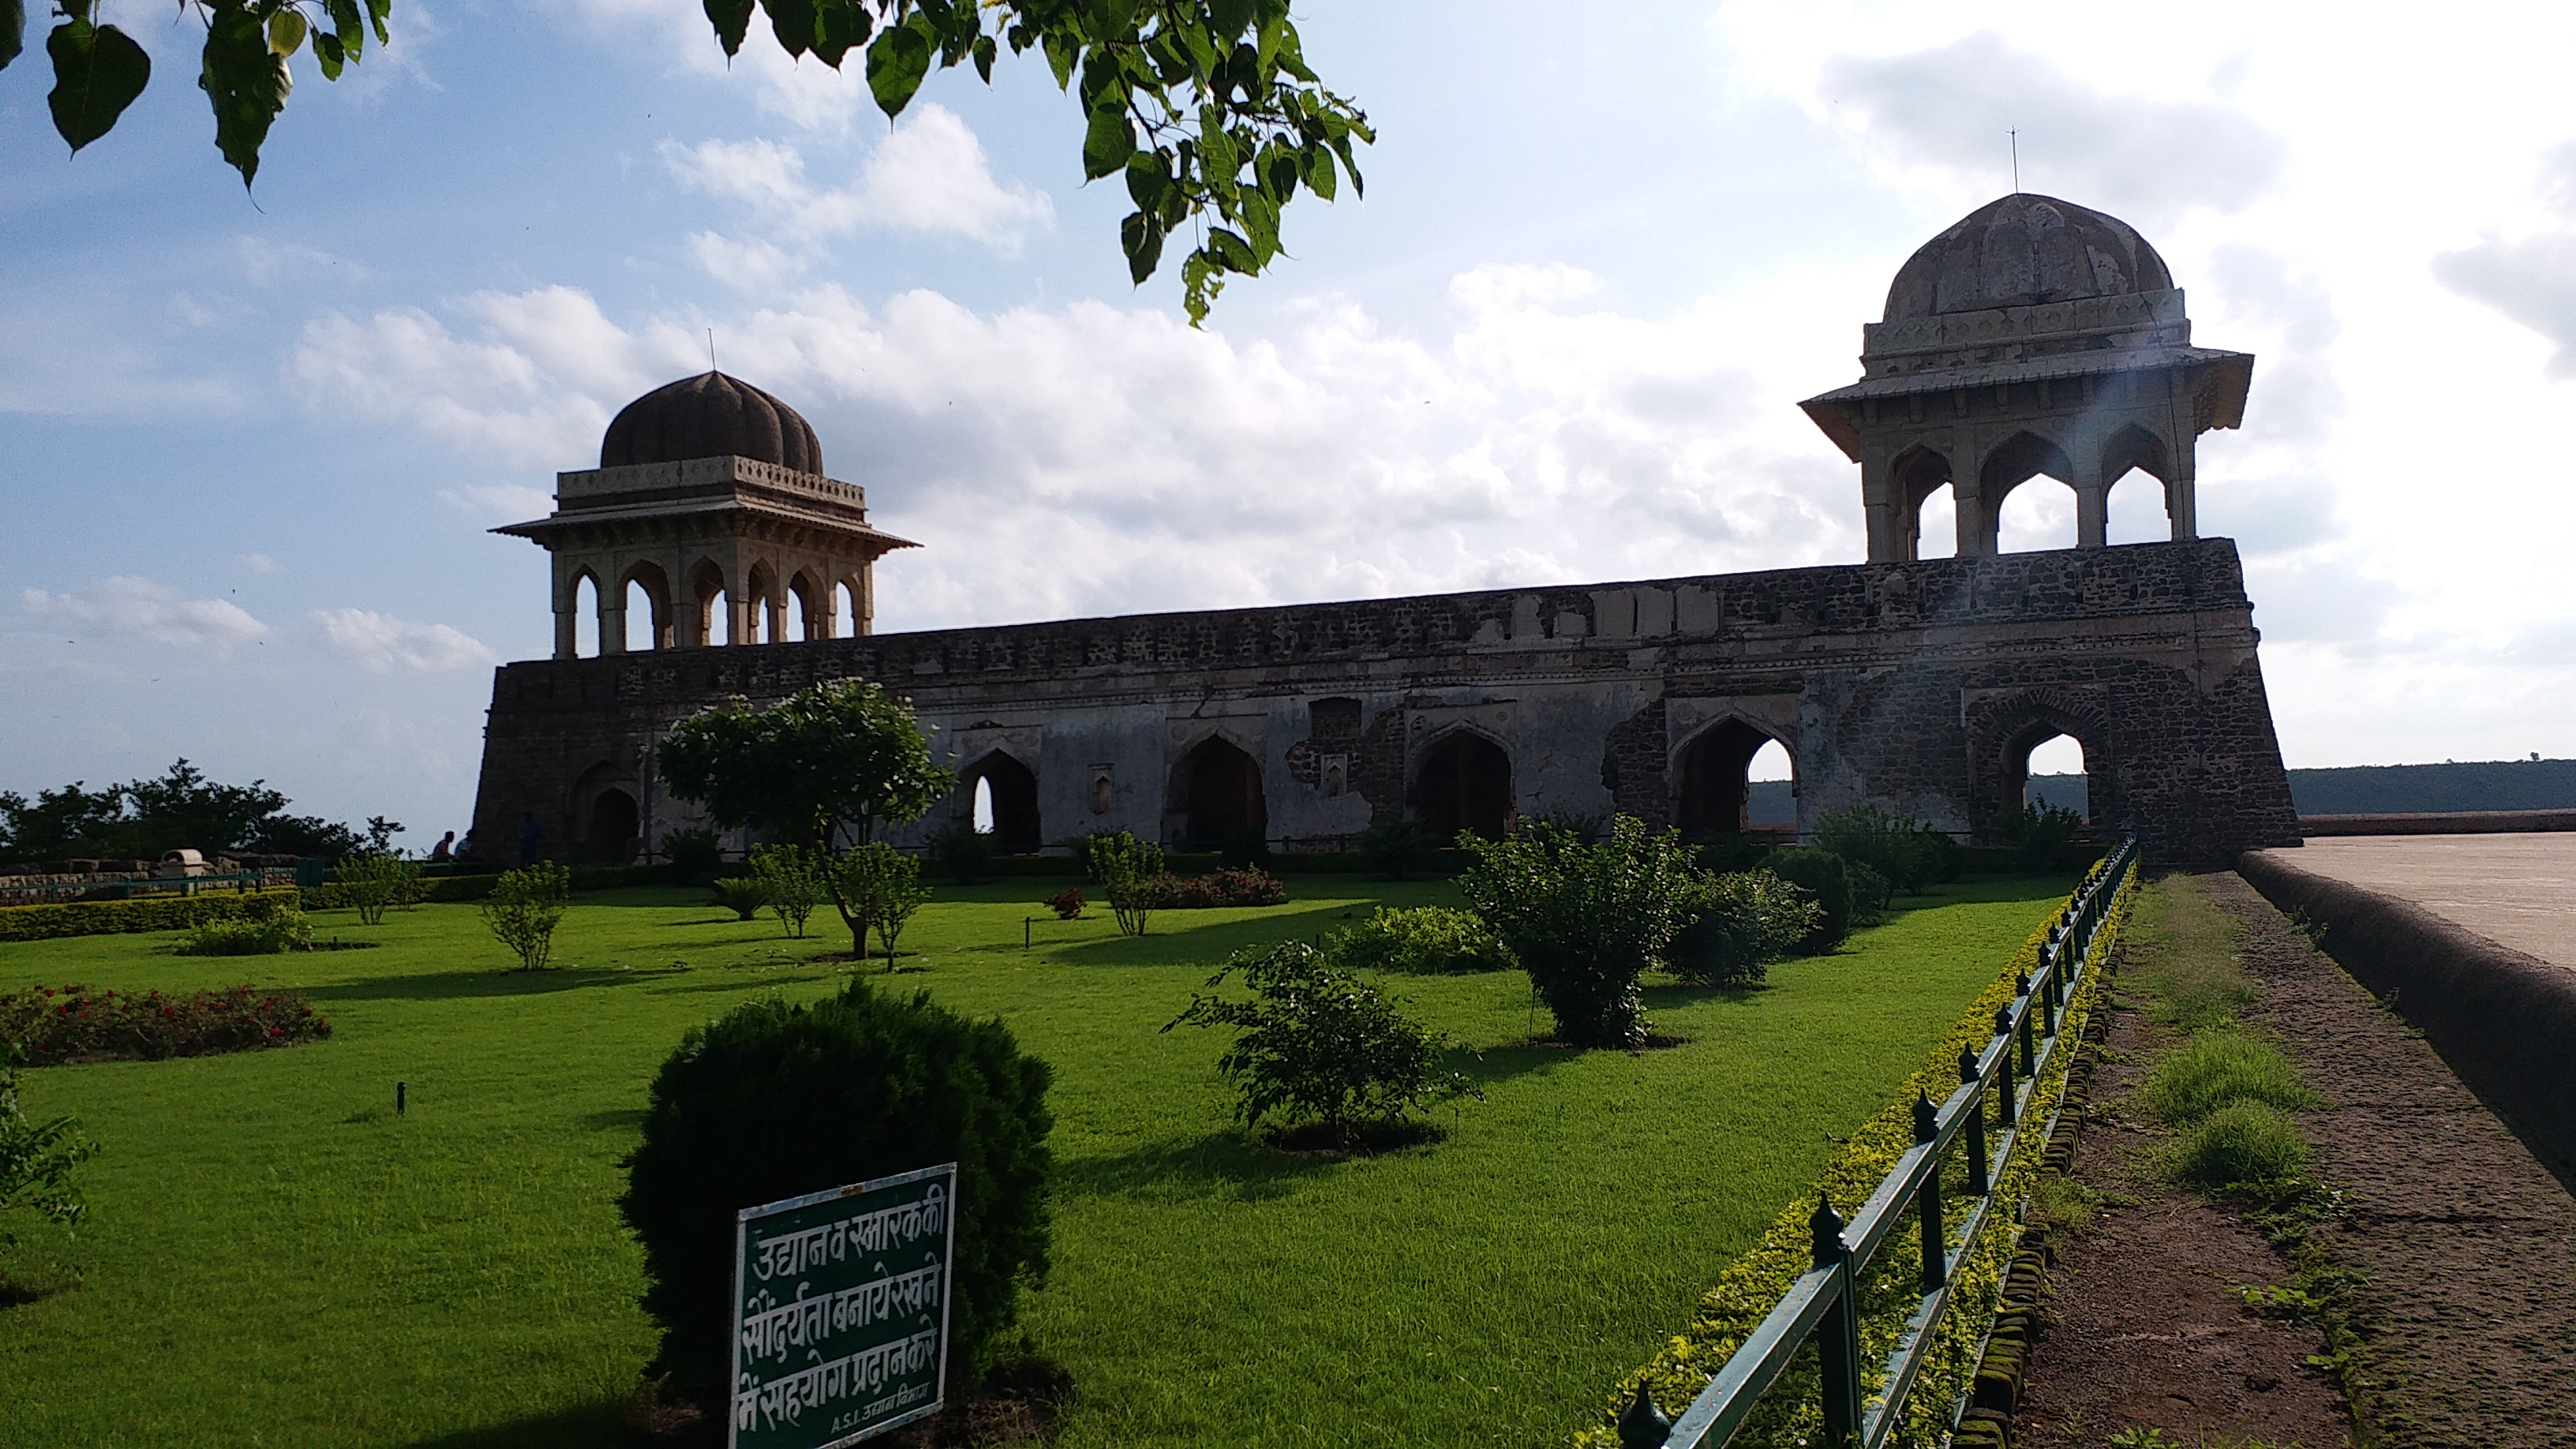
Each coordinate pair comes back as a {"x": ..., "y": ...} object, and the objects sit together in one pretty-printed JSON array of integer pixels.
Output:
[
  {"x": 1824, "y": 1302},
  {"x": 128, "y": 889}
]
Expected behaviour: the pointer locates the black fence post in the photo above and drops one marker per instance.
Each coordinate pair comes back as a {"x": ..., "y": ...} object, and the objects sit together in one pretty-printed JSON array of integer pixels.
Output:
[
  {"x": 1977, "y": 1184},
  {"x": 1641, "y": 1424},
  {"x": 2004, "y": 1078},
  {"x": 1927, "y": 1199},
  {"x": 1838, "y": 1337}
]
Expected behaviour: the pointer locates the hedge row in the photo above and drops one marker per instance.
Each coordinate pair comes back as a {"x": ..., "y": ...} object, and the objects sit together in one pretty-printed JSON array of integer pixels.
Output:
[
  {"x": 148, "y": 913},
  {"x": 1752, "y": 1285}
]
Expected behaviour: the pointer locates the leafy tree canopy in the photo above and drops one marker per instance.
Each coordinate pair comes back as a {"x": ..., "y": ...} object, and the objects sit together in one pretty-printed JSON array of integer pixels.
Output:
[
  {"x": 141, "y": 819},
  {"x": 843, "y": 753},
  {"x": 1205, "y": 107}
]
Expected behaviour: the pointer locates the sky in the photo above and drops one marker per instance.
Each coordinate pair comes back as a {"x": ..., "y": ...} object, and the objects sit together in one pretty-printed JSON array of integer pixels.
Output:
[{"x": 251, "y": 443}]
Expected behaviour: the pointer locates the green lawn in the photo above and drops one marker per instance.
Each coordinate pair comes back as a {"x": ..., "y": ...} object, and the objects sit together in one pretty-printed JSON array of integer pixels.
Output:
[{"x": 275, "y": 1258}]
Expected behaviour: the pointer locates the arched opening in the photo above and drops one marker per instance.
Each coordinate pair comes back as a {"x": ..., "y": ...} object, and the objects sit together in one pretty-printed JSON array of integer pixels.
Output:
[
  {"x": 2133, "y": 463},
  {"x": 2045, "y": 766},
  {"x": 1920, "y": 473},
  {"x": 707, "y": 621},
  {"x": 847, "y": 593},
  {"x": 1936, "y": 524},
  {"x": 1464, "y": 782},
  {"x": 1717, "y": 778},
  {"x": 721, "y": 609},
  {"x": 613, "y": 826},
  {"x": 1216, "y": 790},
  {"x": 1004, "y": 802},
  {"x": 763, "y": 616},
  {"x": 585, "y": 616},
  {"x": 2018, "y": 522},
  {"x": 811, "y": 613},
  {"x": 1771, "y": 788},
  {"x": 648, "y": 609}
]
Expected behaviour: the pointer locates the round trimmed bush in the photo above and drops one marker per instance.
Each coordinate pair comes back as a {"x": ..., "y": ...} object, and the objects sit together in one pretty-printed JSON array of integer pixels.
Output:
[
  {"x": 1821, "y": 873},
  {"x": 773, "y": 1101}
]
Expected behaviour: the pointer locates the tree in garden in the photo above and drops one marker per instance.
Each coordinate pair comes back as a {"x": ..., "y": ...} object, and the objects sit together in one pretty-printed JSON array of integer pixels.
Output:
[
  {"x": 1737, "y": 926},
  {"x": 789, "y": 880},
  {"x": 877, "y": 887},
  {"x": 36, "y": 1158},
  {"x": 773, "y": 1101},
  {"x": 1131, "y": 874},
  {"x": 525, "y": 907},
  {"x": 1316, "y": 1042},
  {"x": 1205, "y": 108},
  {"x": 1584, "y": 920},
  {"x": 376, "y": 881},
  {"x": 145, "y": 817}
]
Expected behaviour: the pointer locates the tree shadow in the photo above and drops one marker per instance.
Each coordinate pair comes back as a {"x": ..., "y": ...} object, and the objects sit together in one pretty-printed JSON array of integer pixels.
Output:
[
  {"x": 1226, "y": 1162},
  {"x": 590, "y": 1426},
  {"x": 1182, "y": 942},
  {"x": 455, "y": 985},
  {"x": 623, "y": 1119}
]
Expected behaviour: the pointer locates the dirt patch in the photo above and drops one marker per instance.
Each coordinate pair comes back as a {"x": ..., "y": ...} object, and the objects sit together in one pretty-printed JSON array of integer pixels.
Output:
[
  {"x": 2147, "y": 1326},
  {"x": 2464, "y": 1245}
]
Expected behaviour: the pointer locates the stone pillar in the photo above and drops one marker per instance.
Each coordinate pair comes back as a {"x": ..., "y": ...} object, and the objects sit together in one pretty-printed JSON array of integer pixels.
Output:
[
  {"x": 737, "y": 617},
  {"x": 2092, "y": 498},
  {"x": 774, "y": 628},
  {"x": 866, "y": 623},
  {"x": 567, "y": 610},
  {"x": 1883, "y": 510},
  {"x": 612, "y": 620},
  {"x": 1977, "y": 522}
]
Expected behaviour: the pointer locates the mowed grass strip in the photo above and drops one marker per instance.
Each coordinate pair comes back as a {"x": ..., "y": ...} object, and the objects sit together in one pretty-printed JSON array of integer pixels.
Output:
[{"x": 275, "y": 1258}]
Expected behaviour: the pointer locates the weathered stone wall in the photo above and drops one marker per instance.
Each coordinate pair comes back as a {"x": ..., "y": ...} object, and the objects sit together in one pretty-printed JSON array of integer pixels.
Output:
[{"x": 1918, "y": 685}]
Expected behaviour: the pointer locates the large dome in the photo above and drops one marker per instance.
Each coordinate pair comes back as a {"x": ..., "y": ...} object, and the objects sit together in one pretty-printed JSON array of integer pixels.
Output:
[
  {"x": 2021, "y": 251},
  {"x": 710, "y": 416}
]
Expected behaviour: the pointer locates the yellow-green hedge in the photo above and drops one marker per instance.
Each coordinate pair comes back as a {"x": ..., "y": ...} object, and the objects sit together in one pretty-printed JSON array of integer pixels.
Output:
[
  {"x": 145, "y": 913},
  {"x": 1752, "y": 1285}
]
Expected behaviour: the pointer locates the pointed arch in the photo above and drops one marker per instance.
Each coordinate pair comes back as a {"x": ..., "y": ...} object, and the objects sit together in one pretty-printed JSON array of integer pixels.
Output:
[
  {"x": 813, "y": 609},
  {"x": 647, "y": 581},
  {"x": 1713, "y": 770},
  {"x": 589, "y": 604},
  {"x": 2008, "y": 465},
  {"x": 707, "y": 598},
  {"x": 1920, "y": 472},
  {"x": 1013, "y": 788},
  {"x": 1462, "y": 780},
  {"x": 761, "y": 609},
  {"x": 1215, "y": 790}
]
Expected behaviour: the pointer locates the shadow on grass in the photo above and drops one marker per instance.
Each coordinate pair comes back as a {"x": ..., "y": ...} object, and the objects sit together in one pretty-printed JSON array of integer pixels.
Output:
[
  {"x": 1226, "y": 1163},
  {"x": 622, "y": 1120},
  {"x": 454, "y": 985},
  {"x": 600, "y": 1426},
  {"x": 1172, "y": 939}
]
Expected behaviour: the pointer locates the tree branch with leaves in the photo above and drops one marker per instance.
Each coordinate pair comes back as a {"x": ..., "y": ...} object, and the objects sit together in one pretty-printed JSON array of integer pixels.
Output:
[{"x": 1206, "y": 108}]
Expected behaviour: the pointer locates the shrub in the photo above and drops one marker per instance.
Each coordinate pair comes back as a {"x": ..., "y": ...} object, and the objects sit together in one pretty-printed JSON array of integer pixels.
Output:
[
  {"x": 790, "y": 882},
  {"x": 1870, "y": 892},
  {"x": 773, "y": 1101},
  {"x": 877, "y": 888},
  {"x": 524, "y": 908},
  {"x": 375, "y": 881},
  {"x": 963, "y": 852},
  {"x": 1317, "y": 1043},
  {"x": 37, "y": 1159},
  {"x": 1422, "y": 941},
  {"x": 1219, "y": 888},
  {"x": 2243, "y": 1145},
  {"x": 1584, "y": 920},
  {"x": 2217, "y": 1068},
  {"x": 1393, "y": 849},
  {"x": 1899, "y": 848},
  {"x": 1132, "y": 873},
  {"x": 270, "y": 934},
  {"x": 1739, "y": 924},
  {"x": 694, "y": 853},
  {"x": 1244, "y": 848},
  {"x": 143, "y": 913},
  {"x": 73, "y": 1023},
  {"x": 1821, "y": 874},
  {"x": 1067, "y": 905},
  {"x": 2041, "y": 834},
  {"x": 1086, "y": 848},
  {"x": 741, "y": 894}
]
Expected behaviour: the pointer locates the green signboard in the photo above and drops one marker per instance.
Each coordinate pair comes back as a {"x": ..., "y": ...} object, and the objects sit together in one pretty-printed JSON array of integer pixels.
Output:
[{"x": 841, "y": 1311}]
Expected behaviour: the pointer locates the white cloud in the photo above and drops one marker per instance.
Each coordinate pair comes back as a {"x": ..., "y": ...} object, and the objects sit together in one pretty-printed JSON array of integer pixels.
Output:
[
  {"x": 2532, "y": 281},
  {"x": 930, "y": 177},
  {"x": 382, "y": 643},
  {"x": 125, "y": 607},
  {"x": 257, "y": 563},
  {"x": 264, "y": 261}
]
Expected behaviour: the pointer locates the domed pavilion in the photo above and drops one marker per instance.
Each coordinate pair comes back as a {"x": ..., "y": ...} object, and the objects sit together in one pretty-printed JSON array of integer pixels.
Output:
[
  {"x": 2032, "y": 337},
  {"x": 710, "y": 501}
]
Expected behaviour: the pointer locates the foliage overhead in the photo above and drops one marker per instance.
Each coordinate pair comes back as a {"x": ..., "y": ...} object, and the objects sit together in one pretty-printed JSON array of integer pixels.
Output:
[
  {"x": 36, "y": 1158},
  {"x": 1318, "y": 1043},
  {"x": 840, "y": 755},
  {"x": 772, "y": 1101},
  {"x": 1204, "y": 108},
  {"x": 141, "y": 819},
  {"x": 1584, "y": 919}
]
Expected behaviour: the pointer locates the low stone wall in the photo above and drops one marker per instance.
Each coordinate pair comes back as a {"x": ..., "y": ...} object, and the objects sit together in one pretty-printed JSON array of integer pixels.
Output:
[
  {"x": 2449, "y": 822},
  {"x": 2506, "y": 1022}
]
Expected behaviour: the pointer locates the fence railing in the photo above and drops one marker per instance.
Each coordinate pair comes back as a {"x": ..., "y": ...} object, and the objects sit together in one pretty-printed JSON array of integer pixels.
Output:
[
  {"x": 120, "y": 890},
  {"x": 1825, "y": 1301}
]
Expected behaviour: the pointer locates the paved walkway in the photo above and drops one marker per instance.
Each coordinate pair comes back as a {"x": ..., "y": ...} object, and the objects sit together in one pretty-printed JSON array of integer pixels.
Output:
[{"x": 2516, "y": 890}]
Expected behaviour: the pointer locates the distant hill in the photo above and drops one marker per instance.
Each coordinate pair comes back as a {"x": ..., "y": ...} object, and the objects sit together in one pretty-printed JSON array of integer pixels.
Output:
[{"x": 2348, "y": 790}]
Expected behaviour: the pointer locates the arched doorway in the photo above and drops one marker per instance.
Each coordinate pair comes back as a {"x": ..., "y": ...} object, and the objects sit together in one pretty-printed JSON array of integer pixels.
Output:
[
  {"x": 2046, "y": 767},
  {"x": 1920, "y": 474},
  {"x": 2032, "y": 520},
  {"x": 1009, "y": 790},
  {"x": 1216, "y": 790},
  {"x": 1716, "y": 777},
  {"x": 613, "y": 822},
  {"x": 1464, "y": 782}
]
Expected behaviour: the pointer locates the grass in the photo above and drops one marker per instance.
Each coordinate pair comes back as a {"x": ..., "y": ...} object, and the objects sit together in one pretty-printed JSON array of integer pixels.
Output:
[
  {"x": 275, "y": 1257},
  {"x": 2215, "y": 1068}
]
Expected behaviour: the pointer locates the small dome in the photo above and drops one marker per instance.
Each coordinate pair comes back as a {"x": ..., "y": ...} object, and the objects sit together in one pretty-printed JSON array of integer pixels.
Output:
[
  {"x": 2021, "y": 251},
  {"x": 710, "y": 416}
]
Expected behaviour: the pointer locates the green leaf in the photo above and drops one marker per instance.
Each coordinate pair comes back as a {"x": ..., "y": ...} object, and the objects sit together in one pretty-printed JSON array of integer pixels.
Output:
[
  {"x": 792, "y": 21},
  {"x": 1320, "y": 176},
  {"x": 1232, "y": 252},
  {"x": 246, "y": 82},
  {"x": 1063, "y": 51},
  {"x": 1107, "y": 143},
  {"x": 377, "y": 10},
  {"x": 984, "y": 52},
  {"x": 1141, "y": 237},
  {"x": 840, "y": 26},
  {"x": 286, "y": 31},
  {"x": 1232, "y": 18},
  {"x": 327, "y": 52},
  {"x": 732, "y": 20},
  {"x": 347, "y": 26},
  {"x": 98, "y": 71},
  {"x": 1147, "y": 179},
  {"x": 13, "y": 30},
  {"x": 897, "y": 62}
]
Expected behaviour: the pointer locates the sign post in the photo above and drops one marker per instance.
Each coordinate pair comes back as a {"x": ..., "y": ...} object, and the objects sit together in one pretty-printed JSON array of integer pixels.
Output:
[{"x": 841, "y": 1311}]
